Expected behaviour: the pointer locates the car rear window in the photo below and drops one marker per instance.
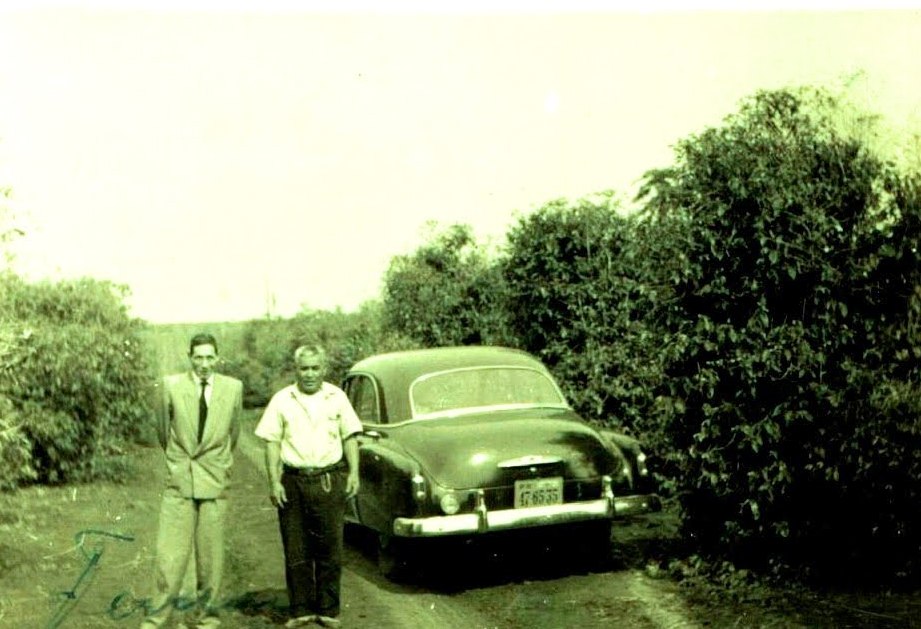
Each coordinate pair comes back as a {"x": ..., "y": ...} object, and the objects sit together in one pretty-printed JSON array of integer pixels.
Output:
[{"x": 475, "y": 388}]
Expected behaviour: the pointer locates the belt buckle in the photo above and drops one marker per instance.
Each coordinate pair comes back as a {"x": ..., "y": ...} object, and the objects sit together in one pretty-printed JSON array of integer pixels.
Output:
[{"x": 310, "y": 472}]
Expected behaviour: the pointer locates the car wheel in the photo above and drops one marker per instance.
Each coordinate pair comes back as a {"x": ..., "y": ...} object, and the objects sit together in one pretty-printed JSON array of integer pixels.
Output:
[{"x": 393, "y": 559}]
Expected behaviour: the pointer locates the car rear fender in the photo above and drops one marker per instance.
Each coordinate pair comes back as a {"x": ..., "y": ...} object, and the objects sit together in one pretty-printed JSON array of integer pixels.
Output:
[
  {"x": 387, "y": 488},
  {"x": 631, "y": 451}
]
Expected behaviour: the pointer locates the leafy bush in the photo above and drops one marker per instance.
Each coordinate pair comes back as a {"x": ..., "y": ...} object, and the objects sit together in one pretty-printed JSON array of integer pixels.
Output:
[
  {"x": 75, "y": 379},
  {"x": 448, "y": 292},
  {"x": 264, "y": 360},
  {"x": 15, "y": 448},
  {"x": 793, "y": 338},
  {"x": 167, "y": 344},
  {"x": 756, "y": 325},
  {"x": 347, "y": 337},
  {"x": 578, "y": 293},
  {"x": 261, "y": 359}
]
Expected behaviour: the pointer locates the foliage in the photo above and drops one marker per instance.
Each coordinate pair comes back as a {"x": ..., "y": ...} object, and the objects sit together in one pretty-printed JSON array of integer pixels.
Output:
[
  {"x": 448, "y": 292},
  {"x": 264, "y": 360},
  {"x": 8, "y": 230},
  {"x": 573, "y": 285},
  {"x": 167, "y": 344},
  {"x": 791, "y": 395},
  {"x": 15, "y": 448},
  {"x": 260, "y": 360},
  {"x": 74, "y": 380},
  {"x": 579, "y": 287},
  {"x": 756, "y": 325}
]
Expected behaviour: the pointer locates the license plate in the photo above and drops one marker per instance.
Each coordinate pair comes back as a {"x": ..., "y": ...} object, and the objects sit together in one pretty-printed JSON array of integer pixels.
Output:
[{"x": 538, "y": 492}]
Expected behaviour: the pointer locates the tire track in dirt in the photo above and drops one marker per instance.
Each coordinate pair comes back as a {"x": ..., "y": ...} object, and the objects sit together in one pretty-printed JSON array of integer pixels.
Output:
[{"x": 664, "y": 609}]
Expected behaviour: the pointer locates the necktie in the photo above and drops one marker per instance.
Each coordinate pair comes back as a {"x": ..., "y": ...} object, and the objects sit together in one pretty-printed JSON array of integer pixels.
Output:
[{"x": 202, "y": 409}]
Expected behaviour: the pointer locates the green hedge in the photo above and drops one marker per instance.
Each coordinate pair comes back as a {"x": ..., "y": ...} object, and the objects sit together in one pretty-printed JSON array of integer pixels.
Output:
[
  {"x": 74, "y": 382},
  {"x": 578, "y": 296},
  {"x": 264, "y": 358},
  {"x": 447, "y": 292},
  {"x": 792, "y": 377}
]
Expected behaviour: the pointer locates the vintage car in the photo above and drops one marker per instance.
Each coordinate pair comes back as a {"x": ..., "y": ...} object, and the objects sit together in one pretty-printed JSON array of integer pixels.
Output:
[{"x": 467, "y": 441}]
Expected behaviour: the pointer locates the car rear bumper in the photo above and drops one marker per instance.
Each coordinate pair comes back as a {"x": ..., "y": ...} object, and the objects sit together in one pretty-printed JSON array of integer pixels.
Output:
[
  {"x": 626, "y": 506},
  {"x": 470, "y": 523},
  {"x": 482, "y": 520}
]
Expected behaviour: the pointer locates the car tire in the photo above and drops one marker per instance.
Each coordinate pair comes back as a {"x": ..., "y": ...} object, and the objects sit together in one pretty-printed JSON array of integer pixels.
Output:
[{"x": 393, "y": 559}]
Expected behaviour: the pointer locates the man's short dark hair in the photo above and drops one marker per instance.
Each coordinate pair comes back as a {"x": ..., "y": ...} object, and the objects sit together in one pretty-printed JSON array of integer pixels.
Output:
[{"x": 202, "y": 338}]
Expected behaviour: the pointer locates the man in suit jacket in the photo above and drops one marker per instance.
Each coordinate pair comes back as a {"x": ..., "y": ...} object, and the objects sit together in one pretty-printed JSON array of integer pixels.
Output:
[{"x": 198, "y": 426}]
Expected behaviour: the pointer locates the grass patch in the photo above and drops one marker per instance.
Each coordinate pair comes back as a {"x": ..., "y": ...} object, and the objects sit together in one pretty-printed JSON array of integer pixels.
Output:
[{"x": 51, "y": 534}]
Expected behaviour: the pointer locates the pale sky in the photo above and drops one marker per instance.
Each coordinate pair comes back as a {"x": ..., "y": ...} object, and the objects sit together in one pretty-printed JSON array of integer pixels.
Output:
[{"x": 209, "y": 156}]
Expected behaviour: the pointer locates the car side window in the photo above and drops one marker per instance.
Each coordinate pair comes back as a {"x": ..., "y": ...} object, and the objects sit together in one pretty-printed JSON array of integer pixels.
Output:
[{"x": 363, "y": 396}]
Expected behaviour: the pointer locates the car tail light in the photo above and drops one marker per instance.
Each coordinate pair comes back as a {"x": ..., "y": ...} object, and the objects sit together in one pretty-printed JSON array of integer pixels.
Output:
[
  {"x": 641, "y": 464},
  {"x": 418, "y": 487}
]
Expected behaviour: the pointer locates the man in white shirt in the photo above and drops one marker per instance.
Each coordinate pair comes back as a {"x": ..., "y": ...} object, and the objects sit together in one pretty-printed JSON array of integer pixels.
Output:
[{"x": 311, "y": 459}]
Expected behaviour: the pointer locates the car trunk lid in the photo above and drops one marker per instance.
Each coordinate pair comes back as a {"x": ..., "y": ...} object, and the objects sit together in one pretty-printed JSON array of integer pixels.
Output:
[{"x": 496, "y": 449}]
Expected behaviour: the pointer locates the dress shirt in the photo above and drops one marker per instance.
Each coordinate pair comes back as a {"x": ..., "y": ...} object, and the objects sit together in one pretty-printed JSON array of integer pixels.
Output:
[
  {"x": 310, "y": 428},
  {"x": 208, "y": 388}
]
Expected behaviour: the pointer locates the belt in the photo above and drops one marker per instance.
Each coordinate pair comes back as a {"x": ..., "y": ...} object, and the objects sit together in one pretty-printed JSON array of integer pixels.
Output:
[{"x": 313, "y": 471}]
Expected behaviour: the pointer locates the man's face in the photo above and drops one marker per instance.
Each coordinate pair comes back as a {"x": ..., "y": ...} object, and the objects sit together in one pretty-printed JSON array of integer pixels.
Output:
[
  {"x": 310, "y": 371},
  {"x": 203, "y": 359}
]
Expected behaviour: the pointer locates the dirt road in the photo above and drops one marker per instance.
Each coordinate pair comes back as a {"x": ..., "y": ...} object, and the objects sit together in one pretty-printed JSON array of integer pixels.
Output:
[
  {"x": 82, "y": 558},
  {"x": 489, "y": 593}
]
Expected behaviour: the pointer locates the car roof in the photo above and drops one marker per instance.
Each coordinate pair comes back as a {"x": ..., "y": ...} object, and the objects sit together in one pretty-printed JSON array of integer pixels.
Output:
[
  {"x": 414, "y": 363},
  {"x": 395, "y": 371}
]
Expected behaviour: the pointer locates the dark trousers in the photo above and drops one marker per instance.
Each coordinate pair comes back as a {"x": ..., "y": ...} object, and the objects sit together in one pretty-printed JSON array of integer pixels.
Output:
[{"x": 311, "y": 532}]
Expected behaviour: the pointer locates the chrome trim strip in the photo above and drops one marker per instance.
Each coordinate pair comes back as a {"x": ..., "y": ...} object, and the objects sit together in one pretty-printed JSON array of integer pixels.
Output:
[
  {"x": 471, "y": 411},
  {"x": 530, "y": 459},
  {"x": 492, "y": 408}
]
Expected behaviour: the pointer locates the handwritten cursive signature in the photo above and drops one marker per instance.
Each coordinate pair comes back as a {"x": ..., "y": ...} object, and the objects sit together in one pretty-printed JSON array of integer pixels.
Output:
[
  {"x": 92, "y": 553},
  {"x": 91, "y": 543},
  {"x": 125, "y": 605}
]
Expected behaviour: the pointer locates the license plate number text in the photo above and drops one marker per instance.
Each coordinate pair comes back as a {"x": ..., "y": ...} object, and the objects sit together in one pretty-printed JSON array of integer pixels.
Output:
[{"x": 538, "y": 492}]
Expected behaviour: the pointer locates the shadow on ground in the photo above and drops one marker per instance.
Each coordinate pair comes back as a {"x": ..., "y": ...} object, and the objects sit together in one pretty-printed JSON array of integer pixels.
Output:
[
  {"x": 449, "y": 565},
  {"x": 270, "y": 605}
]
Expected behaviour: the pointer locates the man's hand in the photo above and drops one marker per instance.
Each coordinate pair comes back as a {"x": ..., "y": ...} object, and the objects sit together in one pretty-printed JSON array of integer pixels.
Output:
[
  {"x": 351, "y": 485},
  {"x": 277, "y": 495}
]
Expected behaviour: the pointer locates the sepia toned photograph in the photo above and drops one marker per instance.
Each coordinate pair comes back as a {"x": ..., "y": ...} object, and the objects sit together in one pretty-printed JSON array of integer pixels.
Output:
[{"x": 480, "y": 315}]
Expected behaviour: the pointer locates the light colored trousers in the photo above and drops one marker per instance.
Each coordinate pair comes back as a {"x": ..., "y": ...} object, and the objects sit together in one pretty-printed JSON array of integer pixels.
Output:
[{"x": 188, "y": 528}]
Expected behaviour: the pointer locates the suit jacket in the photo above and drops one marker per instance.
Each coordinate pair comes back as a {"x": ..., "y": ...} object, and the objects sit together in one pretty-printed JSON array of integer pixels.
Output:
[{"x": 199, "y": 470}]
